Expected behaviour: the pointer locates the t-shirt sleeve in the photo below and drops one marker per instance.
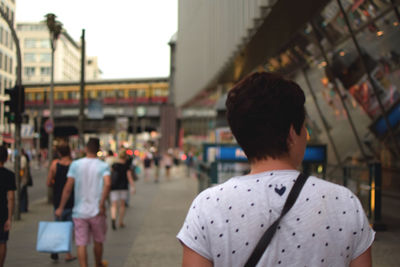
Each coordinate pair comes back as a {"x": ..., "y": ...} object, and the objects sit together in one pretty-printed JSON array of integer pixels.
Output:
[
  {"x": 193, "y": 232},
  {"x": 364, "y": 234},
  {"x": 106, "y": 170},
  {"x": 72, "y": 170},
  {"x": 11, "y": 185}
]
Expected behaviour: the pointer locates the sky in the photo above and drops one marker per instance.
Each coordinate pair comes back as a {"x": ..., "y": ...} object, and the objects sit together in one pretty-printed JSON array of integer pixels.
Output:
[{"x": 129, "y": 37}]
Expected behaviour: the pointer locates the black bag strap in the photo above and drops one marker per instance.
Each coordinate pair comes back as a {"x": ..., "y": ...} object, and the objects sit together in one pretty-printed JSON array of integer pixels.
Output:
[{"x": 269, "y": 234}]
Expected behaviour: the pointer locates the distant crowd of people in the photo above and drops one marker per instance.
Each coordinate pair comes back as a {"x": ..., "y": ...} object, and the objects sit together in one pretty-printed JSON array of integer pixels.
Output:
[{"x": 81, "y": 189}]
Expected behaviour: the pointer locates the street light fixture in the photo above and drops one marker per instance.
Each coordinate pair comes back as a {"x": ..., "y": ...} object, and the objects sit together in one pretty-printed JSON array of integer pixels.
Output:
[{"x": 55, "y": 29}]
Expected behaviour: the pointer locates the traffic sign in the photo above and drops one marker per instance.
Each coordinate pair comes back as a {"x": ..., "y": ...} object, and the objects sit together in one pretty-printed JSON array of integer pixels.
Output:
[{"x": 49, "y": 126}]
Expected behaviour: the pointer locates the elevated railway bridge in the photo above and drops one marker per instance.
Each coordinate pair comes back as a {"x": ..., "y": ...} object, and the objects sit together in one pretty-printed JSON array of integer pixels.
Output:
[{"x": 105, "y": 102}]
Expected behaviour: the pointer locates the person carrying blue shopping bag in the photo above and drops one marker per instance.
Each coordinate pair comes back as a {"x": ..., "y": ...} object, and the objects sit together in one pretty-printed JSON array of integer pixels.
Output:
[{"x": 56, "y": 179}]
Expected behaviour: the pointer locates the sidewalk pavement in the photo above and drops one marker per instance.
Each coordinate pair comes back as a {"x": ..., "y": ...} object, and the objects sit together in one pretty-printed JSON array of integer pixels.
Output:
[{"x": 154, "y": 217}]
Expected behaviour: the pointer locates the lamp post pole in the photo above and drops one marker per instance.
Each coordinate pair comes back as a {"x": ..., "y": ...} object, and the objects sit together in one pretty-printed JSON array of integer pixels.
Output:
[{"x": 55, "y": 28}]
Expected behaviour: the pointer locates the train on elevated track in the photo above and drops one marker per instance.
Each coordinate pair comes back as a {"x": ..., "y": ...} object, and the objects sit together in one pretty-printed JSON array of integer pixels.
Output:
[{"x": 121, "y": 91}]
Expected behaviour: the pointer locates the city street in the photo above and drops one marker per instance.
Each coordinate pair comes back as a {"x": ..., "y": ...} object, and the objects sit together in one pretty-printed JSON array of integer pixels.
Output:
[{"x": 153, "y": 219}]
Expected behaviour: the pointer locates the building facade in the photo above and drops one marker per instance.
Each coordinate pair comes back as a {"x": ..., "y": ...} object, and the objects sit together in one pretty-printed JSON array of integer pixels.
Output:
[
  {"x": 345, "y": 54},
  {"x": 8, "y": 61},
  {"x": 92, "y": 70},
  {"x": 36, "y": 54}
]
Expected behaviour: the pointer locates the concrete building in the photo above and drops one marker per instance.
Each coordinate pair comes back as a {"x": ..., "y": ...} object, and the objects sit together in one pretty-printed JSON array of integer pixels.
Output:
[
  {"x": 92, "y": 70},
  {"x": 220, "y": 42},
  {"x": 8, "y": 61},
  {"x": 36, "y": 54}
]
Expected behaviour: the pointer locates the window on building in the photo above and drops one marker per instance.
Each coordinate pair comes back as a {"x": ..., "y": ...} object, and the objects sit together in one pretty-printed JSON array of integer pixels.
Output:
[
  {"x": 11, "y": 65},
  {"x": 5, "y": 62},
  {"x": 45, "y": 71},
  {"x": 29, "y": 57},
  {"x": 1, "y": 35},
  {"x": 29, "y": 71},
  {"x": 30, "y": 43},
  {"x": 44, "y": 43},
  {"x": 45, "y": 57},
  {"x": 6, "y": 35},
  {"x": 1, "y": 60}
]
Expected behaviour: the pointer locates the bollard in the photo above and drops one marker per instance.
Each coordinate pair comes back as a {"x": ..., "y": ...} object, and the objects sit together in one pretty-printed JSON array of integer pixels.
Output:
[{"x": 375, "y": 197}]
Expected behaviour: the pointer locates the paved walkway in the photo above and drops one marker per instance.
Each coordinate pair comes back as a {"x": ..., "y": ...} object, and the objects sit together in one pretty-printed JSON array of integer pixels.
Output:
[{"x": 154, "y": 217}]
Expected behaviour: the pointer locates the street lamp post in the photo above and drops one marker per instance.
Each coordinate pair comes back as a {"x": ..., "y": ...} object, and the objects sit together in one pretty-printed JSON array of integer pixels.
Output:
[{"x": 55, "y": 28}]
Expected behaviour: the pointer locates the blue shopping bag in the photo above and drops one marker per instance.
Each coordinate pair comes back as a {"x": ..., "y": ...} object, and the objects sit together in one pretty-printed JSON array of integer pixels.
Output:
[{"x": 54, "y": 237}]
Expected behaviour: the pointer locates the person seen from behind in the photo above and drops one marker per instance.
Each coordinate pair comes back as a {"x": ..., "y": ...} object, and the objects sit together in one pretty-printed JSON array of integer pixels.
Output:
[
  {"x": 89, "y": 177},
  {"x": 7, "y": 188},
  {"x": 110, "y": 159},
  {"x": 121, "y": 175},
  {"x": 56, "y": 179},
  {"x": 168, "y": 162},
  {"x": 326, "y": 226},
  {"x": 26, "y": 181}
]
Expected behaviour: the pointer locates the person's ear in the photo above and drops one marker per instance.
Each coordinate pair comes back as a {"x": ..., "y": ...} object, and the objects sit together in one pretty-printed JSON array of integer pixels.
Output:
[{"x": 291, "y": 140}]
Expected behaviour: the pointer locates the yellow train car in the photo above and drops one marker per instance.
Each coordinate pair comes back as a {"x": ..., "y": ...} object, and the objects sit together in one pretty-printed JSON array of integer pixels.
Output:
[{"x": 139, "y": 91}]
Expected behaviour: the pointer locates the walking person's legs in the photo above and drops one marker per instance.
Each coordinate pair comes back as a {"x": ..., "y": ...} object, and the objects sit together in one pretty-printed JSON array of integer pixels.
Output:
[
  {"x": 114, "y": 207},
  {"x": 24, "y": 199},
  {"x": 98, "y": 254},
  {"x": 121, "y": 214},
  {"x": 3, "y": 252},
  {"x": 82, "y": 239},
  {"x": 82, "y": 256},
  {"x": 114, "y": 197},
  {"x": 99, "y": 228}
]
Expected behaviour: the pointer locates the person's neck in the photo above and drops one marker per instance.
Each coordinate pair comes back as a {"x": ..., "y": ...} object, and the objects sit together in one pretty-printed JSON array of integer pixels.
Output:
[
  {"x": 270, "y": 164},
  {"x": 1, "y": 164},
  {"x": 65, "y": 159},
  {"x": 91, "y": 156}
]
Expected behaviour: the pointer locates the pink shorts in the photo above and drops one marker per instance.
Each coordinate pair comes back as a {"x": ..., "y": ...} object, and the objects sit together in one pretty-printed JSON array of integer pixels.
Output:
[{"x": 84, "y": 228}]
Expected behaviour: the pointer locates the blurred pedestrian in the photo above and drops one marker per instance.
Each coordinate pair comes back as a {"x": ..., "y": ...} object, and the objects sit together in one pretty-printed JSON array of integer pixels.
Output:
[
  {"x": 156, "y": 159},
  {"x": 147, "y": 165},
  {"x": 121, "y": 175},
  {"x": 189, "y": 163},
  {"x": 7, "y": 188},
  {"x": 168, "y": 162},
  {"x": 56, "y": 179},
  {"x": 90, "y": 179},
  {"x": 110, "y": 159},
  {"x": 326, "y": 225},
  {"x": 26, "y": 180}
]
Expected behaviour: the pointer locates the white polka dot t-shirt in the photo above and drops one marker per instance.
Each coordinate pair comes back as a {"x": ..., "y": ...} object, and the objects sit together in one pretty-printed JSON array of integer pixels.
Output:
[{"x": 325, "y": 227}]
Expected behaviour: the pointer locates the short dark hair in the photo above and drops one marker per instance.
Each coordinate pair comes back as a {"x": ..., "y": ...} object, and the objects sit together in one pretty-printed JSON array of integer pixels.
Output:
[
  {"x": 64, "y": 150},
  {"x": 3, "y": 154},
  {"x": 93, "y": 145},
  {"x": 260, "y": 110}
]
